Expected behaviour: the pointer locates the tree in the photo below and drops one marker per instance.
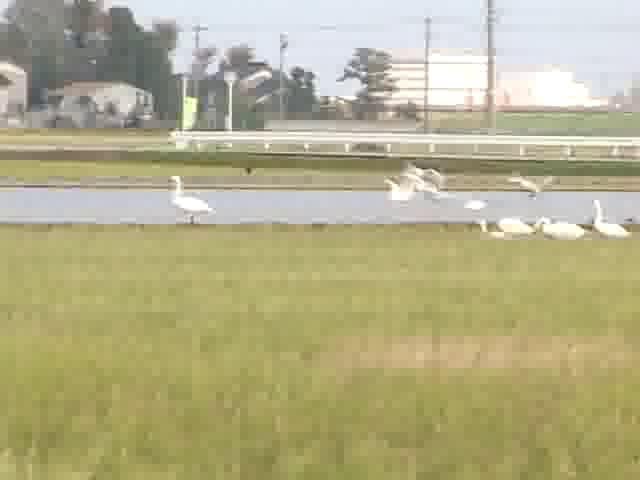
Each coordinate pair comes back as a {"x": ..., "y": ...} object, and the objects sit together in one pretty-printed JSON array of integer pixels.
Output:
[
  {"x": 83, "y": 15},
  {"x": 237, "y": 59},
  {"x": 43, "y": 24},
  {"x": 202, "y": 60},
  {"x": 123, "y": 47},
  {"x": 301, "y": 98},
  {"x": 166, "y": 32},
  {"x": 14, "y": 45},
  {"x": 141, "y": 58},
  {"x": 372, "y": 69}
]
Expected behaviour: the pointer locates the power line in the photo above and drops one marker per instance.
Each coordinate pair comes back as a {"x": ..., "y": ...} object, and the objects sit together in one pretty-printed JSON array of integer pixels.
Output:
[{"x": 573, "y": 25}]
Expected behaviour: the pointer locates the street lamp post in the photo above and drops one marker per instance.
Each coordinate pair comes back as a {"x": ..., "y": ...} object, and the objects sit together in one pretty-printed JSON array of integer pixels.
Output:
[{"x": 230, "y": 78}]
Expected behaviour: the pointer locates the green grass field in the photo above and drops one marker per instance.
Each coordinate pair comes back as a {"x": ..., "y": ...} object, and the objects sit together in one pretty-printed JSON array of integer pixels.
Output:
[
  {"x": 344, "y": 352},
  {"x": 162, "y": 164},
  {"x": 547, "y": 123}
]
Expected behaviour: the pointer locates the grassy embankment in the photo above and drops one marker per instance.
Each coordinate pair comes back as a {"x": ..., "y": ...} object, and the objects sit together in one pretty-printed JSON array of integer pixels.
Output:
[
  {"x": 345, "y": 352},
  {"x": 38, "y": 165},
  {"x": 545, "y": 123},
  {"x": 161, "y": 164},
  {"x": 549, "y": 123}
]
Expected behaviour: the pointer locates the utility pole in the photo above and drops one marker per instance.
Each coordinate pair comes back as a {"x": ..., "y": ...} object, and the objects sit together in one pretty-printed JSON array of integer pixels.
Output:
[
  {"x": 491, "y": 68},
  {"x": 284, "y": 44},
  {"x": 196, "y": 81},
  {"x": 427, "y": 42}
]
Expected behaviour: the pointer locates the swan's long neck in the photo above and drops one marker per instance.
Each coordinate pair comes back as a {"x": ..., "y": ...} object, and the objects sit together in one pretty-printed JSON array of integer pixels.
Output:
[
  {"x": 177, "y": 192},
  {"x": 598, "y": 212}
]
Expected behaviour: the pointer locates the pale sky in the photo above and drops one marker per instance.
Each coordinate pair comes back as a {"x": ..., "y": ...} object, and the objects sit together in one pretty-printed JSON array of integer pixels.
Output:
[{"x": 595, "y": 40}]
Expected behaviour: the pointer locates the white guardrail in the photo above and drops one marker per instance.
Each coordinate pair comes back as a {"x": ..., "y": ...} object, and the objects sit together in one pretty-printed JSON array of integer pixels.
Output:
[{"x": 197, "y": 139}]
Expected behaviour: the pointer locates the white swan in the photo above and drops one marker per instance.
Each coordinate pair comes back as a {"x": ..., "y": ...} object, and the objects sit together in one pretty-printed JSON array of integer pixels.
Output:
[
  {"x": 439, "y": 178},
  {"x": 435, "y": 185},
  {"x": 404, "y": 189},
  {"x": 190, "y": 205},
  {"x": 474, "y": 204},
  {"x": 514, "y": 226},
  {"x": 529, "y": 185},
  {"x": 605, "y": 228},
  {"x": 410, "y": 168},
  {"x": 559, "y": 230},
  {"x": 483, "y": 227}
]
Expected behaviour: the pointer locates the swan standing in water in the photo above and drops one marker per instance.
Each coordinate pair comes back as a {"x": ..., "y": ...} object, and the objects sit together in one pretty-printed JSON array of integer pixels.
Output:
[
  {"x": 189, "y": 205},
  {"x": 559, "y": 230},
  {"x": 605, "y": 228},
  {"x": 533, "y": 188}
]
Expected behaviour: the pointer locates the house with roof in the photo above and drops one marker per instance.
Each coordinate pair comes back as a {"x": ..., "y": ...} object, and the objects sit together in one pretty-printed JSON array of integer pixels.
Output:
[
  {"x": 13, "y": 94},
  {"x": 86, "y": 103}
]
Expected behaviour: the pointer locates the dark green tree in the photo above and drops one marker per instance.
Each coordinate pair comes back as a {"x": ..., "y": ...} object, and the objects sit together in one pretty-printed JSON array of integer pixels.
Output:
[
  {"x": 237, "y": 58},
  {"x": 372, "y": 68},
  {"x": 42, "y": 23},
  {"x": 154, "y": 71},
  {"x": 123, "y": 49},
  {"x": 166, "y": 32},
  {"x": 301, "y": 94},
  {"x": 83, "y": 14},
  {"x": 14, "y": 45},
  {"x": 141, "y": 58}
]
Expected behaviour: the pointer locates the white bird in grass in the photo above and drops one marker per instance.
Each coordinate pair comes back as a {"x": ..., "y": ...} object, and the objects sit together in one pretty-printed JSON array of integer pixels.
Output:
[
  {"x": 605, "y": 228},
  {"x": 495, "y": 234},
  {"x": 439, "y": 178},
  {"x": 404, "y": 189},
  {"x": 529, "y": 185},
  {"x": 514, "y": 226},
  {"x": 189, "y": 205},
  {"x": 559, "y": 230}
]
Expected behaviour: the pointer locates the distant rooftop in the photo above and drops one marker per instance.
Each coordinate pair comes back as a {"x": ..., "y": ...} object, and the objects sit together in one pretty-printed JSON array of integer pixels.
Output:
[{"x": 83, "y": 88}]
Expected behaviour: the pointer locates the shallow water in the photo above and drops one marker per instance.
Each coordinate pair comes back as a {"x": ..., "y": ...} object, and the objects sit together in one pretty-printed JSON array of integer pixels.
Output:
[{"x": 36, "y": 205}]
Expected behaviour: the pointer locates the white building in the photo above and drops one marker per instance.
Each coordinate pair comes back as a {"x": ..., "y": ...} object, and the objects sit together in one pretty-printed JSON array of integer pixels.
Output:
[
  {"x": 118, "y": 97},
  {"x": 457, "y": 78},
  {"x": 13, "y": 89},
  {"x": 546, "y": 87}
]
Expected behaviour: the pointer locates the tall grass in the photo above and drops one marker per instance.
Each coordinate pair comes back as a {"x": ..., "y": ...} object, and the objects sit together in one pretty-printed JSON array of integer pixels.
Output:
[{"x": 346, "y": 352}]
